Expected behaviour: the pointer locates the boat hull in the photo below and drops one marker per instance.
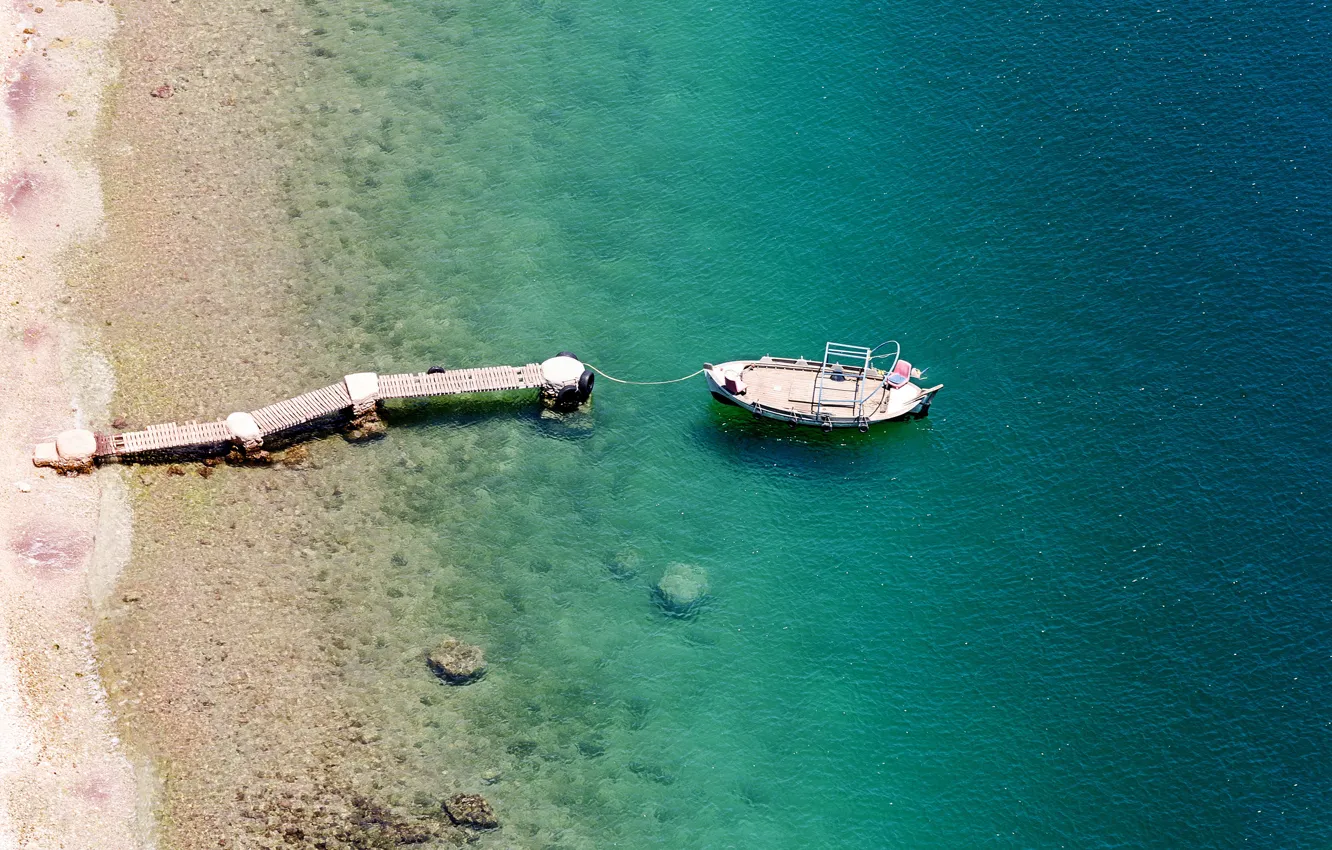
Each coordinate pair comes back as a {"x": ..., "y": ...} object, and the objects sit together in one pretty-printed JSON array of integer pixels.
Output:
[{"x": 784, "y": 390}]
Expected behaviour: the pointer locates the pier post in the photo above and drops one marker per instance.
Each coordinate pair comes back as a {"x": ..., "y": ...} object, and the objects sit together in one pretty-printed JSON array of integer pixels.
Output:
[
  {"x": 363, "y": 390},
  {"x": 566, "y": 382},
  {"x": 73, "y": 451},
  {"x": 246, "y": 432}
]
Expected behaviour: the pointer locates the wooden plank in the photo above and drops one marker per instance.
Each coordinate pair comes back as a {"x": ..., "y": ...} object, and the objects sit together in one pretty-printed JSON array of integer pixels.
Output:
[
  {"x": 264, "y": 419},
  {"x": 403, "y": 386},
  {"x": 318, "y": 402},
  {"x": 407, "y": 385},
  {"x": 291, "y": 414},
  {"x": 307, "y": 407},
  {"x": 337, "y": 398},
  {"x": 325, "y": 401}
]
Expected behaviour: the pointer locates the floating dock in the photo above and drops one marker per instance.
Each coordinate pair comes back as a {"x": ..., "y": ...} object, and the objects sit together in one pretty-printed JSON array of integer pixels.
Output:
[{"x": 562, "y": 381}]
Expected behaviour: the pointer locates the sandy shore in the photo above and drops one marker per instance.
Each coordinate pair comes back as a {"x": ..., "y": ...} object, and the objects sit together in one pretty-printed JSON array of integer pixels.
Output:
[
  {"x": 139, "y": 197},
  {"x": 216, "y": 649},
  {"x": 65, "y": 780},
  {"x": 236, "y": 695}
]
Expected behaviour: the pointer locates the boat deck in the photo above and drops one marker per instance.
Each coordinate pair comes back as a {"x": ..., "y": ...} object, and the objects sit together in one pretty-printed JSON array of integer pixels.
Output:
[{"x": 792, "y": 386}]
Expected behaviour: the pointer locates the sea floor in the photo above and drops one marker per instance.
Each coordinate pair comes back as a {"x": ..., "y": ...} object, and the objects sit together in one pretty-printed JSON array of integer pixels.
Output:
[{"x": 1079, "y": 604}]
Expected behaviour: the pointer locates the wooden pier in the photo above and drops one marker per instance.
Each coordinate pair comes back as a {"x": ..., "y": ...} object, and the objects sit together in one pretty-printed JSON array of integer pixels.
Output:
[{"x": 563, "y": 381}]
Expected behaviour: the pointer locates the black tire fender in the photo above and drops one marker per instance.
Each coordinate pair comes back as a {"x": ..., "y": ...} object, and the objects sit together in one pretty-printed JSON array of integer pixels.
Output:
[
  {"x": 567, "y": 397},
  {"x": 585, "y": 382}
]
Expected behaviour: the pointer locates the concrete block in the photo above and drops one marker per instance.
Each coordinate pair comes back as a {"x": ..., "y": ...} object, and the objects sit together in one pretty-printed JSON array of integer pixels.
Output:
[
  {"x": 76, "y": 444},
  {"x": 45, "y": 455},
  {"x": 561, "y": 371},
  {"x": 363, "y": 387},
  {"x": 244, "y": 428}
]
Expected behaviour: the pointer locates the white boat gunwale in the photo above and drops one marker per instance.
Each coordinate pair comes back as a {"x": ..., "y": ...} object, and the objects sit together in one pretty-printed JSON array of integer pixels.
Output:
[{"x": 829, "y": 393}]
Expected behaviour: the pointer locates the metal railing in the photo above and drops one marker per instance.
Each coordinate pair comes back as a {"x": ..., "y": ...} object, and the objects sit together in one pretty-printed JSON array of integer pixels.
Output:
[{"x": 838, "y": 358}]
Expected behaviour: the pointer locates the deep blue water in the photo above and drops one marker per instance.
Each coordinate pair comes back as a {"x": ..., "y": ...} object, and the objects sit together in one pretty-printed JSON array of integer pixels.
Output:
[{"x": 1086, "y": 603}]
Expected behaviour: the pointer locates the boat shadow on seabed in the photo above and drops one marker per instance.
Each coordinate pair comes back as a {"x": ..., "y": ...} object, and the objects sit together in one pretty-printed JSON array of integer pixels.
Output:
[{"x": 738, "y": 435}]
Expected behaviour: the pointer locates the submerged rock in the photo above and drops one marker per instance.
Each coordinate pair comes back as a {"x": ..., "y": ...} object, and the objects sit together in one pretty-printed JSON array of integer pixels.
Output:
[
  {"x": 625, "y": 565},
  {"x": 682, "y": 590},
  {"x": 457, "y": 663},
  {"x": 296, "y": 457},
  {"x": 472, "y": 811},
  {"x": 654, "y": 772},
  {"x": 364, "y": 429}
]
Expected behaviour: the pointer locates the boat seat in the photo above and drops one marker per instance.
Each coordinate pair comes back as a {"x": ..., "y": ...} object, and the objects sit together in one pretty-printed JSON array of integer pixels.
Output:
[
  {"x": 900, "y": 375},
  {"x": 733, "y": 383}
]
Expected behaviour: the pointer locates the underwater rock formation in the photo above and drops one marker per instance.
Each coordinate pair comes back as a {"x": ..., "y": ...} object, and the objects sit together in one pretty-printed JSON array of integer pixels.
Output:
[
  {"x": 682, "y": 590},
  {"x": 472, "y": 811},
  {"x": 457, "y": 663}
]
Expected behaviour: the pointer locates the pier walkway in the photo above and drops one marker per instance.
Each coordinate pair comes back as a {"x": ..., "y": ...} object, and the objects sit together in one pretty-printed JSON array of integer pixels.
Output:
[{"x": 562, "y": 381}]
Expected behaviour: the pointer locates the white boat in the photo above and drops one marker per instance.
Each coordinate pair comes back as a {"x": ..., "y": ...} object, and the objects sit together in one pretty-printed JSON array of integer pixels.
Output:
[{"x": 851, "y": 387}]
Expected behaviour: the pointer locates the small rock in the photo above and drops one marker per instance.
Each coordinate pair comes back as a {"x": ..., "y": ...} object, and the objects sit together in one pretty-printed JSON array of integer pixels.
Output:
[
  {"x": 682, "y": 590},
  {"x": 471, "y": 810},
  {"x": 457, "y": 663},
  {"x": 205, "y": 471},
  {"x": 492, "y": 777},
  {"x": 296, "y": 457},
  {"x": 625, "y": 565},
  {"x": 24, "y": 487},
  {"x": 130, "y": 597},
  {"x": 413, "y": 831},
  {"x": 173, "y": 469},
  {"x": 366, "y": 430},
  {"x": 120, "y": 422},
  {"x": 163, "y": 91}
]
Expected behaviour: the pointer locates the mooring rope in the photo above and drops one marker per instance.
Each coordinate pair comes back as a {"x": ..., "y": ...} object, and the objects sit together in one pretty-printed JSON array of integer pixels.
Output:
[{"x": 642, "y": 383}]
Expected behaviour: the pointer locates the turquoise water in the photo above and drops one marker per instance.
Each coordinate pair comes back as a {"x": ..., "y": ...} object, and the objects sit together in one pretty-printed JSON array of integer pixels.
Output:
[{"x": 1086, "y": 603}]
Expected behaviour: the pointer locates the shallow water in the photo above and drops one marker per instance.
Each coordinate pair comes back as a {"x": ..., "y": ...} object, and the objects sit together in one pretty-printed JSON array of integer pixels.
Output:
[{"x": 1084, "y": 603}]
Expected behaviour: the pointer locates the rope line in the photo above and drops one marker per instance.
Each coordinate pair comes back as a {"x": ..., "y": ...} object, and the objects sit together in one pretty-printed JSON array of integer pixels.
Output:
[{"x": 642, "y": 383}]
